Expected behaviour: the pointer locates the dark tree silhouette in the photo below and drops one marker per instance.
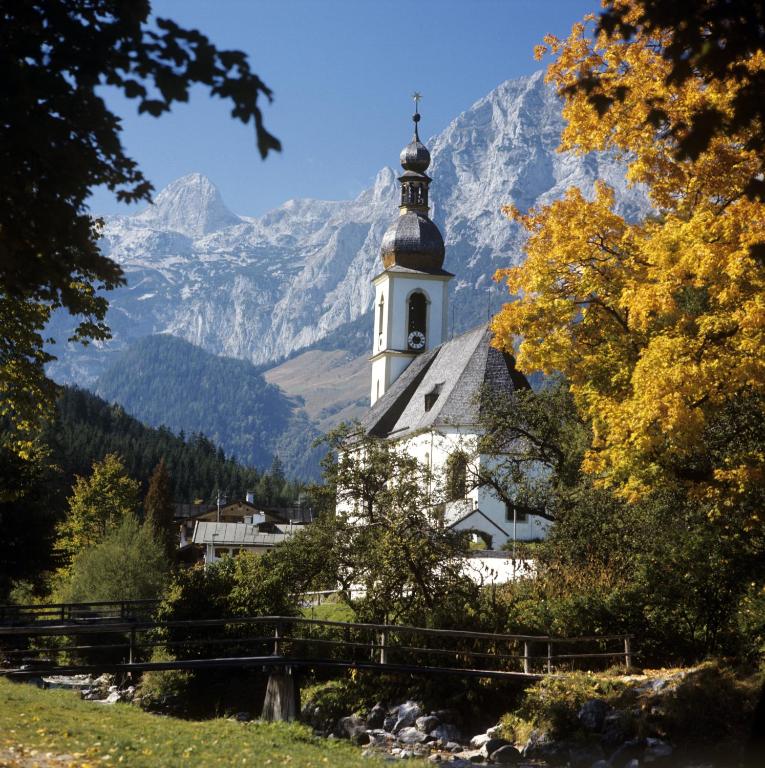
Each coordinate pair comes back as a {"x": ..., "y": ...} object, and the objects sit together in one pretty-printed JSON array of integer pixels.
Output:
[
  {"x": 59, "y": 140},
  {"x": 158, "y": 508}
]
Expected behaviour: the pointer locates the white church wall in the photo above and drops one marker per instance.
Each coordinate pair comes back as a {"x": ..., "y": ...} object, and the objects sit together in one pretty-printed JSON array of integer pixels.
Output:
[{"x": 434, "y": 449}]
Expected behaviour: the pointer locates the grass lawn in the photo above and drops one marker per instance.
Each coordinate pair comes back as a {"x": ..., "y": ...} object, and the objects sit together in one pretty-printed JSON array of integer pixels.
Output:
[{"x": 90, "y": 734}]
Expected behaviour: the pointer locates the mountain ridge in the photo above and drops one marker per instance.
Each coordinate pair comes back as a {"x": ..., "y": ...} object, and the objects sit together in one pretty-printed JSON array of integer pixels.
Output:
[{"x": 264, "y": 288}]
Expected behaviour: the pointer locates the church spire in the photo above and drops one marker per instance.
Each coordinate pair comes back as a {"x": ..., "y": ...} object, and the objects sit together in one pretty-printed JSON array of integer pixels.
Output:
[
  {"x": 412, "y": 292},
  {"x": 415, "y": 160},
  {"x": 413, "y": 241}
]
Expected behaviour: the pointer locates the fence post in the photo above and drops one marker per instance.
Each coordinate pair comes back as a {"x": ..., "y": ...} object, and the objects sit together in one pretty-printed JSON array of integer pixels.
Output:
[
  {"x": 549, "y": 658},
  {"x": 383, "y": 649},
  {"x": 627, "y": 653},
  {"x": 526, "y": 657},
  {"x": 132, "y": 645},
  {"x": 277, "y": 635}
]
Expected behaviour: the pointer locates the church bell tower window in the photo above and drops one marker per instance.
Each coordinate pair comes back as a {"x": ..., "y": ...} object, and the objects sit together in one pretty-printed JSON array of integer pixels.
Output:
[{"x": 416, "y": 329}]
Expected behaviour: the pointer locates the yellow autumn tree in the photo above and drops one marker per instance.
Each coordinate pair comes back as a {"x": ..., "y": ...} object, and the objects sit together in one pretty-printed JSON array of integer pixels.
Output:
[
  {"x": 659, "y": 325},
  {"x": 99, "y": 504}
]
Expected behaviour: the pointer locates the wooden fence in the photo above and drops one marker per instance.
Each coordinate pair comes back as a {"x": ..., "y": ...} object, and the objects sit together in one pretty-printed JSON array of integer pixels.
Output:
[{"x": 110, "y": 644}]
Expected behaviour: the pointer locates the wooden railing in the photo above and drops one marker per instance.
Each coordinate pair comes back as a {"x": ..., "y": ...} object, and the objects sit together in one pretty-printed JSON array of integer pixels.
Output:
[
  {"x": 66, "y": 612},
  {"x": 297, "y": 641}
]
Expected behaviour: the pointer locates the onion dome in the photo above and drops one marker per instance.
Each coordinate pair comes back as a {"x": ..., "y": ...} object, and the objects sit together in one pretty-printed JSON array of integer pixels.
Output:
[
  {"x": 413, "y": 240},
  {"x": 415, "y": 156}
]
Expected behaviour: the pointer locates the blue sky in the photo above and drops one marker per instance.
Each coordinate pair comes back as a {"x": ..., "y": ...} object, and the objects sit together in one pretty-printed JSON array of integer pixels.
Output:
[{"x": 342, "y": 72}]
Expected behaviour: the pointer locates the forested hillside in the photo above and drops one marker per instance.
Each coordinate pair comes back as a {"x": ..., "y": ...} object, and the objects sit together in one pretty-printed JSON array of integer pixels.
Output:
[
  {"x": 87, "y": 428},
  {"x": 165, "y": 381}
]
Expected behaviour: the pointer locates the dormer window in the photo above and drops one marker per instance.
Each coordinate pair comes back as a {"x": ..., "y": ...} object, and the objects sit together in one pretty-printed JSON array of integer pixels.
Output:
[{"x": 432, "y": 396}]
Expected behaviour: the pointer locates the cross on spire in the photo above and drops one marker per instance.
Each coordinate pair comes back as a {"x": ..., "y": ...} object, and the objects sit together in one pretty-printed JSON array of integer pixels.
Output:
[{"x": 416, "y": 96}]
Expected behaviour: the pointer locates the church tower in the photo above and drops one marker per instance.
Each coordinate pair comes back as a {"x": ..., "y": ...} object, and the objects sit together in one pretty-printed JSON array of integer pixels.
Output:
[{"x": 411, "y": 293}]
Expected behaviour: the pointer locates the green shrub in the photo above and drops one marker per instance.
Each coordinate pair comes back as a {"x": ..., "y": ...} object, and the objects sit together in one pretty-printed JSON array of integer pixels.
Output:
[
  {"x": 128, "y": 564},
  {"x": 164, "y": 689},
  {"x": 711, "y": 705},
  {"x": 552, "y": 704}
]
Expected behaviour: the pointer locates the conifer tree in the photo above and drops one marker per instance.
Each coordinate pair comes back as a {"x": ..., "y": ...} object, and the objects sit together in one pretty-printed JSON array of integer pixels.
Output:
[{"x": 158, "y": 507}]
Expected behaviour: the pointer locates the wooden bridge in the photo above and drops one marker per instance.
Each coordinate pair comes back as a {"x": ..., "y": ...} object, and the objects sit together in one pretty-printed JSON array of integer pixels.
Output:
[{"x": 118, "y": 638}]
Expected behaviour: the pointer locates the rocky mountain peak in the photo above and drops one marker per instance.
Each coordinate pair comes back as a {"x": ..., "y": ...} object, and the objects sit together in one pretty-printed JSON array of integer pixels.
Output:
[
  {"x": 191, "y": 205},
  {"x": 301, "y": 274}
]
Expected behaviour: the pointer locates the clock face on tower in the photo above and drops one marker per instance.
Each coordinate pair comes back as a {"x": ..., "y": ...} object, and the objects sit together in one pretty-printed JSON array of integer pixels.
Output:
[{"x": 416, "y": 340}]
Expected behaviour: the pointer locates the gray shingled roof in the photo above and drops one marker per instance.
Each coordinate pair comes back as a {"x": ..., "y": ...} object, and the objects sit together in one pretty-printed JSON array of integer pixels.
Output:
[
  {"x": 454, "y": 374},
  {"x": 236, "y": 534}
]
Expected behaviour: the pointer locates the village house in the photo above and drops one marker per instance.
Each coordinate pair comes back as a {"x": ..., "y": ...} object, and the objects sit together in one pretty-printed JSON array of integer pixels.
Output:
[{"x": 238, "y": 526}]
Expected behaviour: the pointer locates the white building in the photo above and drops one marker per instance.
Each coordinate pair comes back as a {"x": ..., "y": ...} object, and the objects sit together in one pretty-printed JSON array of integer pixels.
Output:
[{"x": 426, "y": 388}]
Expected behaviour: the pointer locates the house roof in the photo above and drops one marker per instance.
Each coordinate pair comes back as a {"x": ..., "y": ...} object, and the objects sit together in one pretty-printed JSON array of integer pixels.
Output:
[
  {"x": 236, "y": 534},
  {"x": 476, "y": 513},
  {"x": 454, "y": 374}
]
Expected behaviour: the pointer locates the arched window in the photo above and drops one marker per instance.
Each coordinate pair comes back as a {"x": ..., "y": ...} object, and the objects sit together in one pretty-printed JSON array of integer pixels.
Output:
[
  {"x": 416, "y": 328},
  {"x": 382, "y": 313},
  {"x": 456, "y": 476}
]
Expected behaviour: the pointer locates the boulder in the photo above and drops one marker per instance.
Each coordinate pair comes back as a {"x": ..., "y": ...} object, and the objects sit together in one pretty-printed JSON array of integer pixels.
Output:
[
  {"x": 541, "y": 747},
  {"x": 376, "y": 717},
  {"x": 407, "y": 715},
  {"x": 614, "y": 730},
  {"x": 410, "y": 735},
  {"x": 592, "y": 714},
  {"x": 243, "y": 717},
  {"x": 478, "y": 741},
  {"x": 380, "y": 738},
  {"x": 453, "y": 746},
  {"x": 360, "y": 737},
  {"x": 347, "y": 726},
  {"x": 446, "y": 732},
  {"x": 474, "y": 756},
  {"x": 656, "y": 751},
  {"x": 427, "y": 723},
  {"x": 389, "y": 722},
  {"x": 492, "y": 745},
  {"x": 494, "y": 731},
  {"x": 630, "y": 750},
  {"x": 112, "y": 698},
  {"x": 506, "y": 755}
]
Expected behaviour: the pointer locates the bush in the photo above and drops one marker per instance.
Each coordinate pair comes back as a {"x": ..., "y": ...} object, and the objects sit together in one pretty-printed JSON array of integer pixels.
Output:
[
  {"x": 553, "y": 703},
  {"x": 128, "y": 564},
  {"x": 710, "y": 706}
]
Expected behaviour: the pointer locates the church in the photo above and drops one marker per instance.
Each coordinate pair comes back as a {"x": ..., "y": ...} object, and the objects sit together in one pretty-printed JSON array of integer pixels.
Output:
[{"x": 426, "y": 387}]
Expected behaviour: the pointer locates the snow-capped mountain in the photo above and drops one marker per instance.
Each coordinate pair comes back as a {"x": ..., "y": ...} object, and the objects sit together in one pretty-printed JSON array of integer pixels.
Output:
[{"x": 262, "y": 288}]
